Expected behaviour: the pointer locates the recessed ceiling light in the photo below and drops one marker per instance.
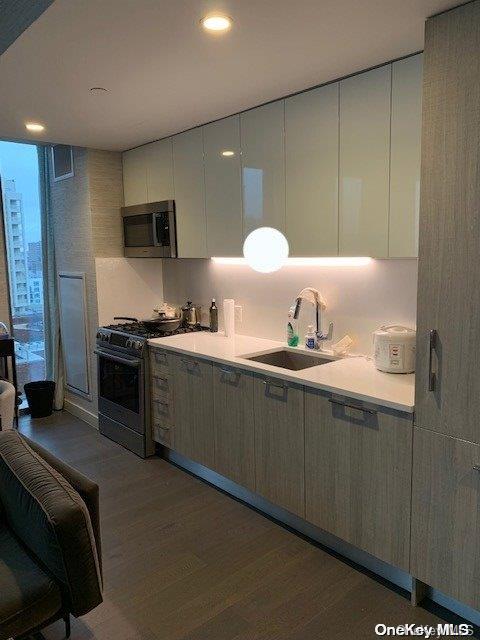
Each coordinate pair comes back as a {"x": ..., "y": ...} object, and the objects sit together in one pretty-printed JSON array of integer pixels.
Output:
[
  {"x": 216, "y": 22},
  {"x": 34, "y": 126},
  {"x": 227, "y": 153},
  {"x": 98, "y": 90}
]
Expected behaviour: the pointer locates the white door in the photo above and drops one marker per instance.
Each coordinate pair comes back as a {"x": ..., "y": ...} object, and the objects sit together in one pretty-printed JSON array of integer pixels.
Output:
[
  {"x": 311, "y": 147},
  {"x": 223, "y": 187},
  {"x": 189, "y": 182},
  {"x": 405, "y": 156},
  {"x": 159, "y": 170},
  {"x": 263, "y": 167},
  {"x": 135, "y": 176},
  {"x": 364, "y": 163}
]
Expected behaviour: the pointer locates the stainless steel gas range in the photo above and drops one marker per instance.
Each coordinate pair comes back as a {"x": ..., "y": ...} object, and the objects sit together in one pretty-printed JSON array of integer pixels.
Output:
[{"x": 123, "y": 383}]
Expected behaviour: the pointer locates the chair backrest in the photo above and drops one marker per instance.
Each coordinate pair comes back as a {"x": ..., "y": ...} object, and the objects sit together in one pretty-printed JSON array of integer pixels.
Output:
[{"x": 51, "y": 520}]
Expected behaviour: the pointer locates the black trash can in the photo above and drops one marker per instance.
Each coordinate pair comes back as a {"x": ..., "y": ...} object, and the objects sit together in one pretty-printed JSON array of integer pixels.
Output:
[{"x": 40, "y": 397}]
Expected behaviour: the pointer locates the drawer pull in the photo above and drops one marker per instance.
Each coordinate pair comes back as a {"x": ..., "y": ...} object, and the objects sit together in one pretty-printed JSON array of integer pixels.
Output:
[
  {"x": 190, "y": 364},
  {"x": 476, "y": 467},
  {"x": 160, "y": 378},
  {"x": 273, "y": 383},
  {"x": 351, "y": 406},
  {"x": 164, "y": 404}
]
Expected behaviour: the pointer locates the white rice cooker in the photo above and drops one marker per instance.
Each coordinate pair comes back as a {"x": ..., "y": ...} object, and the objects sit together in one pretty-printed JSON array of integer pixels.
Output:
[{"x": 394, "y": 349}]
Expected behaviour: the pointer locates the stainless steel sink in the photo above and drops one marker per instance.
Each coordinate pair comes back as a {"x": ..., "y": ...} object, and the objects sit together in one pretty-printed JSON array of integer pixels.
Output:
[{"x": 289, "y": 360}]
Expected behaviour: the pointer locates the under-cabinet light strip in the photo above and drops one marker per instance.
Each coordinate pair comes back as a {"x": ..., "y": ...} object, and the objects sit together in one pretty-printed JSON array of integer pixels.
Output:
[{"x": 305, "y": 262}]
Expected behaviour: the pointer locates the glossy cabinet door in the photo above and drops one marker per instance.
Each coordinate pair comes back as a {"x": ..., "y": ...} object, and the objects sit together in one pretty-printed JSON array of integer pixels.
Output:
[
  {"x": 160, "y": 170},
  {"x": 364, "y": 163},
  {"x": 234, "y": 425},
  {"x": 358, "y": 469},
  {"x": 189, "y": 180},
  {"x": 193, "y": 409},
  {"x": 263, "y": 167},
  {"x": 223, "y": 187},
  {"x": 405, "y": 154},
  {"x": 279, "y": 443},
  {"x": 135, "y": 176},
  {"x": 311, "y": 160},
  {"x": 445, "y": 515}
]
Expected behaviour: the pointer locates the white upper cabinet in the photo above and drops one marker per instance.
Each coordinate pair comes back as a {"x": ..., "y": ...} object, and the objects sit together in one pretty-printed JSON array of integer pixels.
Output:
[
  {"x": 311, "y": 146},
  {"x": 263, "y": 167},
  {"x": 405, "y": 155},
  {"x": 223, "y": 187},
  {"x": 189, "y": 180},
  {"x": 159, "y": 170},
  {"x": 364, "y": 163},
  {"x": 135, "y": 176}
]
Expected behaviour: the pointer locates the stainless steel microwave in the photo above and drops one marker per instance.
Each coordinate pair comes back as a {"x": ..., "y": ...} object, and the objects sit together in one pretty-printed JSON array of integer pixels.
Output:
[{"x": 149, "y": 230}]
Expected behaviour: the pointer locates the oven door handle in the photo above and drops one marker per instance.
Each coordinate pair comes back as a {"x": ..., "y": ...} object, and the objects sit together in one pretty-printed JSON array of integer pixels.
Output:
[{"x": 134, "y": 362}]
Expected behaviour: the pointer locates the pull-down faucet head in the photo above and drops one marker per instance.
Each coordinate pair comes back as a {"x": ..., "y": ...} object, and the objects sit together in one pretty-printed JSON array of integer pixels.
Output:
[{"x": 314, "y": 296}]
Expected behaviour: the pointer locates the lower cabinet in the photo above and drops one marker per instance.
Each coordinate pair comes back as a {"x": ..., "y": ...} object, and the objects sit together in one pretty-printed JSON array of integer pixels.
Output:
[
  {"x": 193, "y": 400},
  {"x": 234, "y": 424},
  {"x": 358, "y": 474},
  {"x": 446, "y": 515},
  {"x": 279, "y": 443}
]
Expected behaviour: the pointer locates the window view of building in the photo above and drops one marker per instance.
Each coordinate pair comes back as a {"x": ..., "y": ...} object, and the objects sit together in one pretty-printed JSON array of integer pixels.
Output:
[{"x": 21, "y": 211}]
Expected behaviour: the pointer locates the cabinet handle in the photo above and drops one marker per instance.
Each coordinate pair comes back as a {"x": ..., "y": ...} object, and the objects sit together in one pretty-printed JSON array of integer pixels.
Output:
[
  {"x": 272, "y": 383},
  {"x": 164, "y": 404},
  {"x": 351, "y": 406},
  {"x": 190, "y": 364},
  {"x": 476, "y": 467},
  {"x": 432, "y": 343}
]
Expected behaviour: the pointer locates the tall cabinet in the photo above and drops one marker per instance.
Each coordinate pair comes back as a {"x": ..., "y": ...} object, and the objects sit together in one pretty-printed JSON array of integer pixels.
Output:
[{"x": 446, "y": 479}]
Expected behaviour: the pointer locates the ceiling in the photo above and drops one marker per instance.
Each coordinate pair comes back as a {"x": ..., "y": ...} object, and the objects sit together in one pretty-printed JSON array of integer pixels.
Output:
[{"x": 165, "y": 74}]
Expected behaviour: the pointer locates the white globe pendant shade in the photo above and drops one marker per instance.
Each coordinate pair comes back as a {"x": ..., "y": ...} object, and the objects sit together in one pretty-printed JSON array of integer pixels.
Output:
[{"x": 265, "y": 249}]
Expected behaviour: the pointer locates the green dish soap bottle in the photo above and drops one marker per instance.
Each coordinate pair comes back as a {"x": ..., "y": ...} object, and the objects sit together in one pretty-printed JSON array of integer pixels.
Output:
[{"x": 292, "y": 332}]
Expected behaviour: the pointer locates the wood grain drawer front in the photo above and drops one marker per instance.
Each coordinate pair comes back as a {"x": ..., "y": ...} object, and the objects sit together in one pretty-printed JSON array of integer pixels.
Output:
[
  {"x": 279, "y": 443},
  {"x": 160, "y": 361},
  {"x": 358, "y": 475},
  {"x": 162, "y": 385},
  {"x": 162, "y": 412},
  {"x": 446, "y": 515},
  {"x": 193, "y": 406},
  {"x": 234, "y": 424}
]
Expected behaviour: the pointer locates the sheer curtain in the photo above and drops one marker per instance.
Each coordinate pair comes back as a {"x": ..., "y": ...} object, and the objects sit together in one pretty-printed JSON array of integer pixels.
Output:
[{"x": 53, "y": 346}]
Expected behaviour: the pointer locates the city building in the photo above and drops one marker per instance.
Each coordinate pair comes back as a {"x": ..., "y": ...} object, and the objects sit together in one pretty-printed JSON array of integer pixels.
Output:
[{"x": 15, "y": 241}]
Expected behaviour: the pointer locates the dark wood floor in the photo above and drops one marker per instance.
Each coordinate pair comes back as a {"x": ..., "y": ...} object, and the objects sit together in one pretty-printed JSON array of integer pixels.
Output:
[{"x": 184, "y": 561}]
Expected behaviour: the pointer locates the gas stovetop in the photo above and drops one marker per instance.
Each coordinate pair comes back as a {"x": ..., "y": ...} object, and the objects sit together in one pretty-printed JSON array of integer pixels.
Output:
[
  {"x": 132, "y": 336},
  {"x": 141, "y": 330}
]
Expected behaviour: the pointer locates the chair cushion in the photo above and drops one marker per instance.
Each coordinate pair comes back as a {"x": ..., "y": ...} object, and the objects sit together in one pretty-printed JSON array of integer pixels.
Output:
[
  {"x": 28, "y": 596},
  {"x": 51, "y": 520}
]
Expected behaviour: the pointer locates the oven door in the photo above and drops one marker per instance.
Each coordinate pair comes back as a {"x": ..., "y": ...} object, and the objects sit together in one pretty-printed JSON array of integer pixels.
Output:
[{"x": 121, "y": 382}]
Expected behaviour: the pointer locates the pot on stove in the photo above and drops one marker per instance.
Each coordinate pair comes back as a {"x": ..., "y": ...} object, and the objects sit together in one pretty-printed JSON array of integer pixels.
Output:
[{"x": 191, "y": 314}]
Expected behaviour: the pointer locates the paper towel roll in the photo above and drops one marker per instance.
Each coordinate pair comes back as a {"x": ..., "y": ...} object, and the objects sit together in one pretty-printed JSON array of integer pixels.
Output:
[
  {"x": 7, "y": 404},
  {"x": 229, "y": 317}
]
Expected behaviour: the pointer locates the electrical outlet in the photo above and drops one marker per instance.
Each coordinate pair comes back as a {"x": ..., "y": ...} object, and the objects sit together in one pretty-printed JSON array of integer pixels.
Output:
[{"x": 238, "y": 313}]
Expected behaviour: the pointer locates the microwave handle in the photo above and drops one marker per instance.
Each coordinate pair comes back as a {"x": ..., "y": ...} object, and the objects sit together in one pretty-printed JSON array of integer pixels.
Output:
[{"x": 156, "y": 241}]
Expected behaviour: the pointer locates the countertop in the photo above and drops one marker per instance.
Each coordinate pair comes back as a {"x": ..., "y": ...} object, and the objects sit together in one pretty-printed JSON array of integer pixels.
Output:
[{"x": 353, "y": 376}]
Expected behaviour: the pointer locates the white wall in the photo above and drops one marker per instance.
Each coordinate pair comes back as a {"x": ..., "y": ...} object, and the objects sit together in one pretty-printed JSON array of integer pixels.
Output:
[
  {"x": 127, "y": 287},
  {"x": 359, "y": 299}
]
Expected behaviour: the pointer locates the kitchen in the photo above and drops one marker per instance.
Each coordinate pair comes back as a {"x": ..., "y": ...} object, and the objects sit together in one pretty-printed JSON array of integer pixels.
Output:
[{"x": 331, "y": 384}]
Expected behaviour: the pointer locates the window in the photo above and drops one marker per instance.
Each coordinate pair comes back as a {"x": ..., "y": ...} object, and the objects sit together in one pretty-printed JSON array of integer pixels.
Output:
[{"x": 21, "y": 200}]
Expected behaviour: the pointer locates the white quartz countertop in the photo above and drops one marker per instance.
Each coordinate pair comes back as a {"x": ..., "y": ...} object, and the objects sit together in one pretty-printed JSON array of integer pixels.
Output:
[{"x": 355, "y": 377}]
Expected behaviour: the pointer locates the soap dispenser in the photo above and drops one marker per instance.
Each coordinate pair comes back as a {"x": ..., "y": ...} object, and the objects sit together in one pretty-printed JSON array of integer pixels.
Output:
[{"x": 311, "y": 338}]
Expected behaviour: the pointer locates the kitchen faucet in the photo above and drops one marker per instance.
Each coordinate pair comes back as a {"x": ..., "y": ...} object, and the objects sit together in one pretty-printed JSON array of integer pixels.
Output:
[{"x": 313, "y": 295}]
